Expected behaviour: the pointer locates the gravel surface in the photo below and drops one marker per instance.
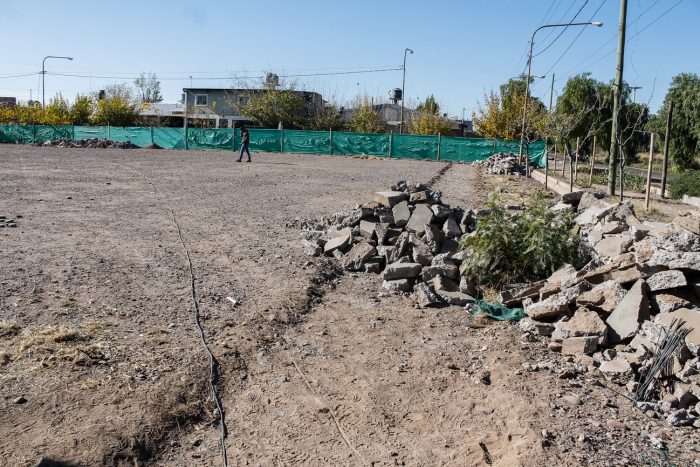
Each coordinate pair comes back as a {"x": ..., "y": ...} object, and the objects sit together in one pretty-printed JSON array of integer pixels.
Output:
[{"x": 100, "y": 361}]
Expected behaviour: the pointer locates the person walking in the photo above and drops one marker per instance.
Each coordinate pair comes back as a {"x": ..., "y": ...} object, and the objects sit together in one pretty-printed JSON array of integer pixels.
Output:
[{"x": 245, "y": 139}]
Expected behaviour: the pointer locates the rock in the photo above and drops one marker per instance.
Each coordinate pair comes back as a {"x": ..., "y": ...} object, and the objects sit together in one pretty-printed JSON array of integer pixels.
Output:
[
  {"x": 374, "y": 265},
  {"x": 592, "y": 215},
  {"x": 627, "y": 276},
  {"x": 466, "y": 286},
  {"x": 451, "y": 246},
  {"x": 612, "y": 246},
  {"x": 556, "y": 304},
  {"x": 639, "y": 232},
  {"x": 311, "y": 248},
  {"x": 689, "y": 222},
  {"x": 680, "y": 417},
  {"x": 401, "y": 271},
  {"x": 389, "y": 198},
  {"x": 401, "y": 213},
  {"x": 554, "y": 346},
  {"x": 625, "y": 319},
  {"x": 666, "y": 280},
  {"x": 579, "y": 345},
  {"x": 419, "y": 197},
  {"x": 667, "y": 302},
  {"x": 20, "y": 400},
  {"x": 572, "y": 198},
  {"x": 448, "y": 291},
  {"x": 421, "y": 216},
  {"x": 400, "y": 248},
  {"x": 424, "y": 295},
  {"x": 536, "y": 327},
  {"x": 420, "y": 251},
  {"x": 558, "y": 275},
  {"x": 591, "y": 199},
  {"x": 381, "y": 231},
  {"x": 560, "y": 206},
  {"x": 614, "y": 227},
  {"x": 433, "y": 237},
  {"x": 338, "y": 242},
  {"x": 604, "y": 296},
  {"x": 687, "y": 260},
  {"x": 441, "y": 212},
  {"x": 367, "y": 228},
  {"x": 584, "y": 323},
  {"x": 691, "y": 317},
  {"x": 397, "y": 286},
  {"x": 673, "y": 238},
  {"x": 514, "y": 294},
  {"x": 356, "y": 257},
  {"x": 449, "y": 271},
  {"x": 617, "y": 370},
  {"x": 451, "y": 229}
]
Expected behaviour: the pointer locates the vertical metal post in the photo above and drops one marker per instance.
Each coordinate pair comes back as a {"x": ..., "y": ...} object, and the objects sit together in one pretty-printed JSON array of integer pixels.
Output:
[
  {"x": 330, "y": 142},
  {"x": 649, "y": 172},
  {"x": 391, "y": 143},
  {"x": 590, "y": 175},
  {"x": 109, "y": 133},
  {"x": 438, "y": 146},
  {"x": 73, "y": 133},
  {"x": 33, "y": 133},
  {"x": 667, "y": 144},
  {"x": 152, "y": 142},
  {"x": 282, "y": 139}
]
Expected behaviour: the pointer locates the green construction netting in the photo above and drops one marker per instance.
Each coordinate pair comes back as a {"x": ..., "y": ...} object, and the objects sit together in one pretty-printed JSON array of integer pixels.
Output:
[
  {"x": 307, "y": 142},
  {"x": 496, "y": 311},
  {"x": 351, "y": 144},
  {"x": 414, "y": 147},
  {"x": 295, "y": 141}
]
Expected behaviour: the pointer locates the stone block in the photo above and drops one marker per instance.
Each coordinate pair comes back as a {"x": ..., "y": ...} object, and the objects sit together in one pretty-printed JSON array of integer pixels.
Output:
[
  {"x": 401, "y": 271},
  {"x": 397, "y": 286},
  {"x": 422, "y": 215},
  {"x": 358, "y": 254},
  {"x": 424, "y": 296},
  {"x": 389, "y": 198},
  {"x": 627, "y": 316},
  {"x": 340, "y": 241},
  {"x": 401, "y": 213},
  {"x": 666, "y": 280},
  {"x": 579, "y": 345},
  {"x": 605, "y": 296}
]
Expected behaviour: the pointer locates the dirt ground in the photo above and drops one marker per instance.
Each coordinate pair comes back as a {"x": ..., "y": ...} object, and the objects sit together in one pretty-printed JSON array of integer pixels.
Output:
[{"x": 101, "y": 362}]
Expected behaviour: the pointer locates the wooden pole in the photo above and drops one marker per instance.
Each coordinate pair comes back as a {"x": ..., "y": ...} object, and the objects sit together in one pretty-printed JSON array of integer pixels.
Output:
[
  {"x": 564, "y": 155},
  {"x": 649, "y": 171},
  {"x": 578, "y": 148},
  {"x": 546, "y": 166},
  {"x": 667, "y": 143},
  {"x": 590, "y": 175}
]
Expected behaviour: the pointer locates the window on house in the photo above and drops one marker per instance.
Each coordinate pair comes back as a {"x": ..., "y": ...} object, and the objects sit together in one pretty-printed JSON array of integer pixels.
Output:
[{"x": 200, "y": 99}]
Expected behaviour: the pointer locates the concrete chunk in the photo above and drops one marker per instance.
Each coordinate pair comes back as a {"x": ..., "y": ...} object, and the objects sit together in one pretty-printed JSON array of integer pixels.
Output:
[
  {"x": 338, "y": 242},
  {"x": 421, "y": 216},
  {"x": 666, "y": 280},
  {"x": 605, "y": 296},
  {"x": 397, "y": 286},
  {"x": 367, "y": 228},
  {"x": 401, "y": 271},
  {"x": 389, "y": 198},
  {"x": 692, "y": 319},
  {"x": 424, "y": 296},
  {"x": 625, "y": 319},
  {"x": 451, "y": 229},
  {"x": 579, "y": 345},
  {"x": 357, "y": 256},
  {"x": 401, "y": 213},
  {"x": 556, "y": 304},
  {"x": 584, "y": 323}
]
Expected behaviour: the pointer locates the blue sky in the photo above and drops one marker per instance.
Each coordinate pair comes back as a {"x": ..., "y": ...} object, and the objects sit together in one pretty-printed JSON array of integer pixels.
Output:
[{"x": 462, "y": 48}]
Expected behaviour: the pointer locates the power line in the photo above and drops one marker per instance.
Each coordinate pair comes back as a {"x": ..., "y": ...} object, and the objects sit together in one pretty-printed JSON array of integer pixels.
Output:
[
  {"x": 562, "y": 31},
  {"x": 18, "y": 76},
  {"x": 546, "y": 16}
]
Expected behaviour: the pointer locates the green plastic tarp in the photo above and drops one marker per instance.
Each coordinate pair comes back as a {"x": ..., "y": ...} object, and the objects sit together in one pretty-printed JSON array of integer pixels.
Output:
[
  {"x": 414, "y": 147},
  {"x": 210, "y": 138},
  {"x": 264, "y": 140},
  {"x": 465, "y": 149},
  {"x": 87, "y": 132},
  {"x": 496, "y": 311},
  {"x": 169, "y": 138},
  {"x": 307, "y": 142},
  {"x": 352, "y": 144}
]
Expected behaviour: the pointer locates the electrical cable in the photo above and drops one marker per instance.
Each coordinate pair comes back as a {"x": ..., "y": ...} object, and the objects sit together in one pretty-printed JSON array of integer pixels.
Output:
[{"x": 562, "y": 31}]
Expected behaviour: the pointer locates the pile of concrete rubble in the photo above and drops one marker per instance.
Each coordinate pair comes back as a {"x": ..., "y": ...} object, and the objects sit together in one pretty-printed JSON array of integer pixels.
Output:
[
  {"x": 610, "y": 314},
  {"x": 89, "y": 143},
  {"x": 503, "y": 163},
  {"x": 406, "y": 234}
]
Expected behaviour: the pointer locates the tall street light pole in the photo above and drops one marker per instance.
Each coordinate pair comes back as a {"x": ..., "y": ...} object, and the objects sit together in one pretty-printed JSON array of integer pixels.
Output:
[
  {"x": 529, "y": 72},
  {"x": 403, "y": 86},
  {"x": 43, "y": 78},
  {"x": 634, "y": 93}
]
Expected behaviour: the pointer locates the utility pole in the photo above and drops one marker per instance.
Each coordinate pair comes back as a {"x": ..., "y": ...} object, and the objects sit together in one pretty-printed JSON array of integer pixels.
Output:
[
  {"x": 667, "y": 143},
  {"x": 551, "y": 94},
  {"x": 617, "y": 96},
  {"x": 403, "y": 87}
]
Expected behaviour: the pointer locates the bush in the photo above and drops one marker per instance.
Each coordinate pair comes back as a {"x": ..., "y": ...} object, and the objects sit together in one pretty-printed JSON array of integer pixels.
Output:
[
  {"x": 687, "y": 183},
  {"x": 521, "y": 247}
]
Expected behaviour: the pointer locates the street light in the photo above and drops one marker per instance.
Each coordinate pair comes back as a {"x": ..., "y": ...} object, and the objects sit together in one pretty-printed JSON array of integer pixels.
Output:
[
  {"x": 403, "y": 86},
  {"x": 529, "y": 74},
  {"x": 43, "y": 78},
  {"x": 634, "y": 92}
]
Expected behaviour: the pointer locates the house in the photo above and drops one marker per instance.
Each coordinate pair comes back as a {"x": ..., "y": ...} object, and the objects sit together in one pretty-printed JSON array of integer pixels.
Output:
[
  {"x": 391, "y": 115},
  {"x": 222, "y": 106},
  {"x": 8, "y": 101}
]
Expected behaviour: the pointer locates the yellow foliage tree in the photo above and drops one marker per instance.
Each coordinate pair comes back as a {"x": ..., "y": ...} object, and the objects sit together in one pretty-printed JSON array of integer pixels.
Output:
[{"x": 428, "y": 123}]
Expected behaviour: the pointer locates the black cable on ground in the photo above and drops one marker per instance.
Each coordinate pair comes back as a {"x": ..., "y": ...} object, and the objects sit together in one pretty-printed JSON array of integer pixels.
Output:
[{"x": 213, "y": 364}]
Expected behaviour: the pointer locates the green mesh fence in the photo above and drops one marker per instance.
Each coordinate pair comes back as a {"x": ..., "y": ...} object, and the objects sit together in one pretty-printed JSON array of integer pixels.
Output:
[{"x": 294, "y": 141}]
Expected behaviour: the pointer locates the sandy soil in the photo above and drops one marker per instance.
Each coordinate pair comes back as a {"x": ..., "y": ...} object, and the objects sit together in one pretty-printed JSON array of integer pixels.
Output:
[{"x": 101, "y": 364}]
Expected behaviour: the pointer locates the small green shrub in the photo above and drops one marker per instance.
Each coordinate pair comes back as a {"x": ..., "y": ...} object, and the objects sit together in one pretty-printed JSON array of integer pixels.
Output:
[
  {"x": 633, "y": 182},
  {"x": 687, "y": 183},
  {"x": 524, "y": 246}
]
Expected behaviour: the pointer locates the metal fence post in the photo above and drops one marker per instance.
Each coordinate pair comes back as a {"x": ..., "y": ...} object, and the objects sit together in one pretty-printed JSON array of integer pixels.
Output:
[
  {"x": 494, "y": 148},
  {"x": 152, "y": 142},
  {"x": 391, "y": 144},
  {"x": 330, "y": 143},
  {"x": 438, "y": 146},
  {"x": 186, "y": 143},
  {"x": 109, "y": 132},
  {"x": 282, "y": 140},
  {"x": 33, "y": 133}
]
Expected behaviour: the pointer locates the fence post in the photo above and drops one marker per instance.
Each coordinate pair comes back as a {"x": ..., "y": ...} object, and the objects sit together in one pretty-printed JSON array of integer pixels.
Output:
[
  {"x": 546, "y": 165},
  {"x": 152, "y": 142},
  {"x": 186, "y": 143},
  {"x": 233, "y": 139},
  {"x": 438, "y": 148},
  {"x": 649, "y": 172},
  {"x": 33, "y": 133},
  {"x": 330, "y": 142},
  {"x": 109, "y": 132},
  {"x": 73, "y": 132},
  {"x": 590, "y": 175},
  {"x": 391, "y": 143},
  {"x": 282, "y": 139}
]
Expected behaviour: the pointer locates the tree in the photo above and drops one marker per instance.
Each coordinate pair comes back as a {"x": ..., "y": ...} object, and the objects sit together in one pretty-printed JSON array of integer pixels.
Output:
[
  {"x": 367, "y": 120},
  {"x": 430, "y": 105},
  {"x": 429, "y": 124},
  {"x": 327, "y": 118},
  {"x": 57, "y": 112},
  {"x": 500, "y": 115},
  {"x": 148, "y": 88},
  {"x": 685, "y": 134},
  {"x": 115, "y": 111},
  {"x": 82, "y": 110},
  {"x": 274, "y": 106}
]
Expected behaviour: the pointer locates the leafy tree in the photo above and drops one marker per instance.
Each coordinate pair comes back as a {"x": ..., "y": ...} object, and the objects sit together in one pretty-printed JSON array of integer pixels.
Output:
[
  {"x": 429, "y": 124},
  {"x": 56, "y": 113},
  {"x": 430, "y": 105},
  {"x": 148, "y": 88},
  {"x": 327, "y": 118},
  {"x": 115, "y": 111},
  {"x": 27, "y": 114},
  {"x": 367, "y": 120},
  {"x": 121, "y": 90},
  {"x": 274, "y": 106},
  {"x": 82, "y": 110},
  {"x": 685, "y": 134},
  {"x": 500, "y": 115}
]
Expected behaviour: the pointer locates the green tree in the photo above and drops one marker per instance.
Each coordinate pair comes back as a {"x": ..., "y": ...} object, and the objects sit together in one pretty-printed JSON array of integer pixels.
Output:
[
  {"x": 429, "y": 124},
  {"x": 82, "y": 110},
  {"x": 430, "y": 105},
  {"x": 57, "y": 112},
  {"x": 115, "y": 111},
  {"x": 327, "y": 118},
  {"x": 685, "y": 134},
  {"x": 500, "y": 115},
  {"x": 367, "y": 120},
  {"x": 274, "y": 106},
  {"x": 148, "y": 88}
]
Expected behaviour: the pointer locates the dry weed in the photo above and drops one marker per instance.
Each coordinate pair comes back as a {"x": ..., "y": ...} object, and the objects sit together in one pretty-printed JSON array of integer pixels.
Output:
[{"x": 8, "y": 329}]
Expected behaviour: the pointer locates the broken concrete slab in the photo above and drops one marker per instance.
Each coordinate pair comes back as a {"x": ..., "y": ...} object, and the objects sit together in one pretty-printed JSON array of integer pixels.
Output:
[
  {"x": 592, "y": 214},
  {"x": 514, "y": 294},
  {"x": 367, "y": 228},
  {"x": 389, "y": 198},
  {"x": 572, "y": 197},
  {"x": 358, "y": 254},
  {"x": 424, "y": 295},
  {"x": 689, "y": 222},
  {"x": 451, "y": 229},
  {"x": 381, "y": 231},
  {"x": 627, "y": 316},
  {"x": 401, "y": 213},
  {"x": 613, "y": 246},
  {"x": 584, "y": 323},
  {"x": 395, "y": 271},
  {"x": 397, "y": 286},
  {"x": 311, "y": 248},
  {"x": 556, "y": 304},
  {"x": 691, "y": 317},
  {"x": 441, "y": 211},
  {"x": 537, "y": 328},
  {"x": 340, "y": 241},
  {"x": 627, "y": 276},
  {"x": 448, "y": 291},
  {"x": 604, "y": 296},
  {"x": 667, "y": 302},
  {"x": 421, "y": 216},
  {"x": 433, "y": 237},
  {"x": 617, "y": 370},
  {"x": 419, "y": 197},
  {"x": 579, "y": 345},
  {"x": 467, "y": 286},
  {"x": 666, "y": 280}
]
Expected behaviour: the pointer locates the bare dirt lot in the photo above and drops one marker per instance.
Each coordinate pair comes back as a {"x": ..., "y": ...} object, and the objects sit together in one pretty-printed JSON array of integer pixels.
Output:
[{"x": 101, "y": 362}]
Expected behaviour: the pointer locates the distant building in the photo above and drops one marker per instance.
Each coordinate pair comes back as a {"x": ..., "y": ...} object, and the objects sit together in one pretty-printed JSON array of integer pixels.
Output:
[
  {"x": 391, "y": 115},
  {"x": 8, "y": 101}
]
